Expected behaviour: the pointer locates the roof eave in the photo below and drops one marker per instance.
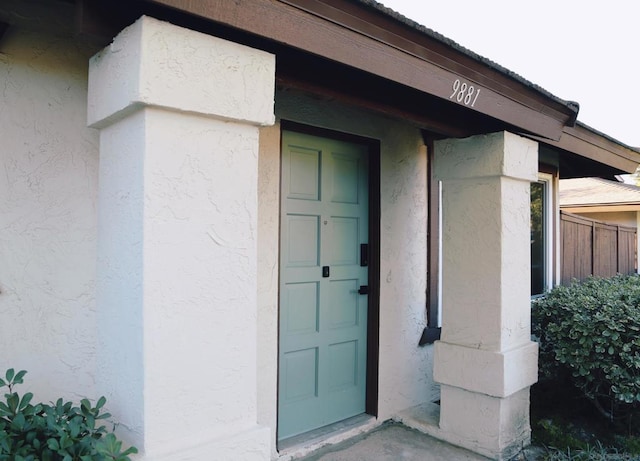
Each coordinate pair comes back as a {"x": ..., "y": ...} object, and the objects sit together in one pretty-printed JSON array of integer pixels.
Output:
[
  {"x": 589, "y": 143},
  {"x": 368, "y": 37},
  {"x": 365, "y": 36}
]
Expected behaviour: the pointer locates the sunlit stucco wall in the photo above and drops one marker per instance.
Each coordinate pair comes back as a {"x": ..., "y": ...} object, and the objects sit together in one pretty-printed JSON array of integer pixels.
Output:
[
  {"x": 48, "y": 185},
  {"x": 48, "y": 222}
]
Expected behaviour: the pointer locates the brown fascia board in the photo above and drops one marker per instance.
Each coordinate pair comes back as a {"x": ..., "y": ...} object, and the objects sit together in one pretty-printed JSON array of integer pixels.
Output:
[
  {"x": 590, "y": 143},
  {"x": 413, "y": 37},
  {"x": 363, "y": 35}
]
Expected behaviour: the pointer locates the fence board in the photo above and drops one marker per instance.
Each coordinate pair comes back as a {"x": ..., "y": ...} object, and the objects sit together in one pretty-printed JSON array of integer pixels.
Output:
[
  {"x": 590, "y": 247},
  {"x": 576, "y": 238},
  {"x": 626, "y": 251},
  {"x": 605, "y": 250}
]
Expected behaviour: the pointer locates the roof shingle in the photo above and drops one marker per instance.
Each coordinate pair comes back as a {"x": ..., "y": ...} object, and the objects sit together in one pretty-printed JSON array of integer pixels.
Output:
[{"x": 597, "y": 191}]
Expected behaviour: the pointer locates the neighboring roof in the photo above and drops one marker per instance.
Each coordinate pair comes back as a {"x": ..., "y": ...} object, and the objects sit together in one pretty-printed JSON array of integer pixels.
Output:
[{"x": 591, "y": 193}]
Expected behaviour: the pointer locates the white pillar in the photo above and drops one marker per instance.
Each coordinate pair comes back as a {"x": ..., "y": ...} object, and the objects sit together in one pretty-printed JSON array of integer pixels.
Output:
[
  {"x": 178, "y": 113},
  {"x": 485, "y": 360}
]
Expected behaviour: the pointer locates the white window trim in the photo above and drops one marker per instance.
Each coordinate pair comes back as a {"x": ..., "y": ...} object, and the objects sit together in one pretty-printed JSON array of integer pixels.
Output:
[
  {"x": 555, "y": 210},
  {"x": 552, "y": 231}
]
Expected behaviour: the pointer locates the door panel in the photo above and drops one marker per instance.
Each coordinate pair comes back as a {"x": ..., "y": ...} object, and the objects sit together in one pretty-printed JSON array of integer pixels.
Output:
[
  {"x": 323, "y": 320},
  {"x": 304, "y": 242}
]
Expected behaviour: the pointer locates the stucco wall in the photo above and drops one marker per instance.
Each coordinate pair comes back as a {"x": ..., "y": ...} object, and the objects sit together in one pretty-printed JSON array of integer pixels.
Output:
[
  {"x": 48, "y": 189},
  {"x": 177, "y": 249},
  {"x": 622, "y": 218},
  {"x": 405, "y": 374},
  {"x": 48, "y": 230}
]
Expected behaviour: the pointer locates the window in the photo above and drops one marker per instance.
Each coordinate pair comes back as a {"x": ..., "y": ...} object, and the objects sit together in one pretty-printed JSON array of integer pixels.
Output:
[{"x": 542, "y": 234}]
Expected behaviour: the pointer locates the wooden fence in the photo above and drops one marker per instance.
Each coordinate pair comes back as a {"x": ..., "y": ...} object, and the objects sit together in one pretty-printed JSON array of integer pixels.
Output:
[{"x": 591, "y": 247}]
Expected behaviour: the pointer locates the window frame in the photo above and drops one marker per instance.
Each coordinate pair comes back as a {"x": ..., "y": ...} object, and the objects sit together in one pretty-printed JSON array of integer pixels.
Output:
[{"x": 551, "y": 231}]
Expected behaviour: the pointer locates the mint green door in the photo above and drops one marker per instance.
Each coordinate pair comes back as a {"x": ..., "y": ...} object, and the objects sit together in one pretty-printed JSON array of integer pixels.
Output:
[{"x": 323, "y": 315}]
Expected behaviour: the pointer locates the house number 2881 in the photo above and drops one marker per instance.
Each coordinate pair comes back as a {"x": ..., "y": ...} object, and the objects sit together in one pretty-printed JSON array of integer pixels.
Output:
[{"x": 464, "y": 93}]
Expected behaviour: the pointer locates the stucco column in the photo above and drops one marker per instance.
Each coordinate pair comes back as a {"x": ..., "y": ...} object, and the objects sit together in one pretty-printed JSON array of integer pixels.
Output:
[
  {"x": 485, "y": 360},
  {"x": 179, "y": 114}
]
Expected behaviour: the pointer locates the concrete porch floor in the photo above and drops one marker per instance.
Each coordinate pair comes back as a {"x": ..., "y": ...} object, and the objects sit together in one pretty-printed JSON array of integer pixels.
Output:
[{"x": 394, "y": 441}]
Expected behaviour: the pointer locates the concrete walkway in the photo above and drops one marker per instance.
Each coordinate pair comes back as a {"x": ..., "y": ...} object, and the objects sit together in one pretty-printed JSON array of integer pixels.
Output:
[
  {"x": 396, "y": 442},
  {"x": 393, "y": 442}
]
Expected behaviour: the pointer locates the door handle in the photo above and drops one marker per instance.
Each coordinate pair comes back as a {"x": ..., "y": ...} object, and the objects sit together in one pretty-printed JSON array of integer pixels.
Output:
[
  {"x": 364, "y": 290},
  {"x": 364, "y": 254}
]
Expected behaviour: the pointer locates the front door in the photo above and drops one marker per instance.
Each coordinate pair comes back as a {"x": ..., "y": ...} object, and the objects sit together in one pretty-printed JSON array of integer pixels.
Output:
[{"x": 323, "y": 282}]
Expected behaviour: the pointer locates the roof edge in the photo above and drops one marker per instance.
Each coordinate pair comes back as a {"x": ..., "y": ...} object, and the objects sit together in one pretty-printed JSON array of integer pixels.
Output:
[{"x": 573, "y": 106}]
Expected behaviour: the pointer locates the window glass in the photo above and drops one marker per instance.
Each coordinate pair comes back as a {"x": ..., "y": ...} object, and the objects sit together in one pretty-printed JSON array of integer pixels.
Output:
[{"x": 538, "y": 238}]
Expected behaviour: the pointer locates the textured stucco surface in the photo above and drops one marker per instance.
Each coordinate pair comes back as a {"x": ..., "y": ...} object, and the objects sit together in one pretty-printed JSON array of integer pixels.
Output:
[
  {"x": 120, "y": 375},
  {"x": 494, "y": 427},
  {"x": 177, "y": 244},
  {"x": 232, "y": 84},
  {"x": 48, "y": 163},
  {"x": 405, "y": 373},
  {"x": 268, "y": 276},
  {"x": 175, "y": 251},
  {"x": 485, "y": 206},
  {"x": 498, "y": 374},
  {"x": 185, "y": 201},
  {"x": 486, "y": 360}
]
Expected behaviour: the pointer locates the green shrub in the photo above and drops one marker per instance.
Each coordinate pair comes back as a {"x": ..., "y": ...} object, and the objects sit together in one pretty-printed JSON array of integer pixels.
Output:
[
  {"x": 57, "y": 432},
  {"x": 590, "y": 332},
  {"x": 630, "y": 444},
  {"x": 561, "y": 435}
]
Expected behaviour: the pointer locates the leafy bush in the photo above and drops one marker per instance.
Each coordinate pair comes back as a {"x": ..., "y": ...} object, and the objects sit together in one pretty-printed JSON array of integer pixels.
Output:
[
  {"x": 590, "y": 332},
  {"x": 561, "y": 435},
  {"x": 630, "y": 445},
  {"x": 57, "y": 432}
]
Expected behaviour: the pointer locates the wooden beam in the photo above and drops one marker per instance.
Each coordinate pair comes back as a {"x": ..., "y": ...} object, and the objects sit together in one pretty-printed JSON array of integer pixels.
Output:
[
  {"x": 98, "y": 22},
  {"x": 430, "y": 46},
  {"x": 432, "y": 123},
  {"x": 322, "y": 29}
]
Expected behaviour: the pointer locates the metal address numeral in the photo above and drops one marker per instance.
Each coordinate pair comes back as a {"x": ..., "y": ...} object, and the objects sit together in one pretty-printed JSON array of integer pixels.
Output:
[{"x": 464, "y": 93}]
